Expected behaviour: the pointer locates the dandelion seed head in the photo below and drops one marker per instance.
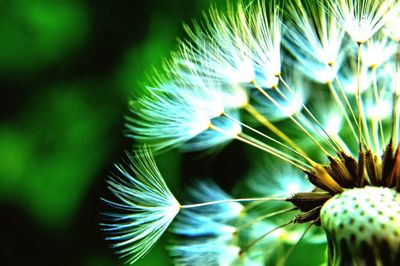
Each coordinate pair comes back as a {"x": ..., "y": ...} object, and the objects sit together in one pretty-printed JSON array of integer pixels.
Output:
[
  {"x": 312, "y": 85},
  {"x": 360, "y": 29}
]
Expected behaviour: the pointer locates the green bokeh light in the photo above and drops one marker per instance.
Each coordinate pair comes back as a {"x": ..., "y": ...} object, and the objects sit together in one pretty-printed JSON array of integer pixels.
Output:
[
  {"x": 140, "y": 60},
  {"x": 34, "y": 34},
  {"x": 53, "y": 153}
]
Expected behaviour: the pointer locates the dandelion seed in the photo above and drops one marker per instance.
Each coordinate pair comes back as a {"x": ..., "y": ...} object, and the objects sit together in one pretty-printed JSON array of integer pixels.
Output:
[
  {"x": 238, "y": 47},
  {"x": 173, "y": 114},
  {"x": 290, "y": 104},
  {"x": 146, "y": 207},
  {"x": 361, "y": 19},
  {"x": 315, "y": 39}
]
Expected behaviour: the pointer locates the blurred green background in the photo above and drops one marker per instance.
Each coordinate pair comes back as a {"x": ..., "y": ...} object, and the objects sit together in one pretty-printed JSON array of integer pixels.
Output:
[{"x": 66, "y": 70}]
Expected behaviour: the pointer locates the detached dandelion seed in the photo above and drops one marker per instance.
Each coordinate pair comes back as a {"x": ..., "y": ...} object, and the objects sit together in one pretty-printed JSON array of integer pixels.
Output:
[
  {"x": 313, "y": 86},
  {"x": 146, "y": 207}
]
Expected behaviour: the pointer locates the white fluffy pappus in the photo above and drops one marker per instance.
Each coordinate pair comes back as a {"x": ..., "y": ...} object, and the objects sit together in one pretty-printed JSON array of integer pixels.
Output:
[
  {"x": 144, "y": 209},
  {"x": 171, "y": 115},
  {"x": 315, "y": 39},
  {"x": 238, "y": 47},
  {"x": 361, "y": 19}
]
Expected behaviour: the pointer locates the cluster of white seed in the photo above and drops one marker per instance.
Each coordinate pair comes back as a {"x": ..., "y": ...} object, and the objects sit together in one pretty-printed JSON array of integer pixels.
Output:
[{"x": 300, "y": 81}]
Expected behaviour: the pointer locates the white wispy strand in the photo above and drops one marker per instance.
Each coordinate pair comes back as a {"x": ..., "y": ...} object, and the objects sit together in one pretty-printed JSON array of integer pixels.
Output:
[
  {"x": 235, "y": 96},
  {"x": 239, "y": 47},
  {"x": 315, "y": 39},
  {"x": 361, "y": 19},
  {"x": 211, "y": 138},
  {"x": 207, "y": 190},
  {"x": 333, "y": 123},
  {"x": 172, "y": 114},
  {"x": 191, "y": 74},
  {"x": 264, "y": 40},
  {"x": 146, "y": 207},
  {"x": 214, "y": 53},
  {"x": 291, "y": 104}
]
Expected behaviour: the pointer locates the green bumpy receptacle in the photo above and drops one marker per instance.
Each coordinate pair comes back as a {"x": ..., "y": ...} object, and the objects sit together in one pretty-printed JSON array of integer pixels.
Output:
[{"x": 362, "y": 226}]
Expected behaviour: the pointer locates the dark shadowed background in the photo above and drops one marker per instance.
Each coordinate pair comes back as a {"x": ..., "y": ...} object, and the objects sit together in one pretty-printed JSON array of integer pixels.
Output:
[{"x": 66, "y": 70}]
